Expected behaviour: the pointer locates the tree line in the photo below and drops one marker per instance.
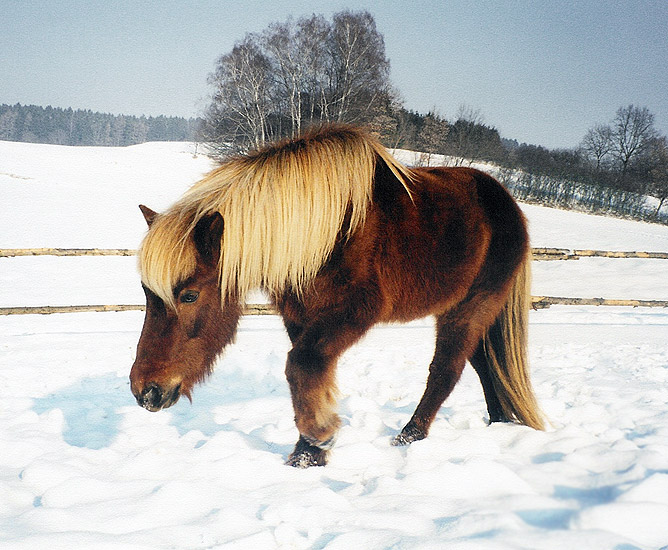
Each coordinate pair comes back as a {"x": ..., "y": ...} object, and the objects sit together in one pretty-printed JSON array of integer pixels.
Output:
[
  {"x": 313, "y": 70},
  {"x": 59, "y": 126},
  {"x": 614, "y": 169},
  {"x": 619, "y": 182}
]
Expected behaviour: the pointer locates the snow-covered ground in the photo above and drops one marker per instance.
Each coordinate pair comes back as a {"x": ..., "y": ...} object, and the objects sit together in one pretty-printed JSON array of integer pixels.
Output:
[{"x": 81, "y": 466}]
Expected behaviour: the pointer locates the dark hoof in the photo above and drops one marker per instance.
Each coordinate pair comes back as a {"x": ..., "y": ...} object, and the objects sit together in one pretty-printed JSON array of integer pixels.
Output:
[
  {"x": 409, "y": 434},
  {"x": 306, "y": 455},
  {"x": 499, "y": 417}
]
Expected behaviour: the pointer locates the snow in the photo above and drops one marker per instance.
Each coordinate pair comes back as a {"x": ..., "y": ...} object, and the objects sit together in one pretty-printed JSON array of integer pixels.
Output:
[{"x": 81, "y": 466}]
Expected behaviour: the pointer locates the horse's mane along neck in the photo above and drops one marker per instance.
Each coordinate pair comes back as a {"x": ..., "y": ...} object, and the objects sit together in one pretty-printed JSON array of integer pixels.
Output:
[{"x": 283, "y": 208}]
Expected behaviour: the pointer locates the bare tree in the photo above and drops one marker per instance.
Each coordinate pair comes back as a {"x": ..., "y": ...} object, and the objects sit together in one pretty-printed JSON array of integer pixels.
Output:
[
  {"x": 280, "y": 45},
  {"x": 433, "y": 135},
  {"x": 391, "y": 125},
  {"x": 597, "y": 144},
  {"x": 470, "y": 139},
  {"x": 632, "y": 131},
  {"x": 297, "y": 56},
  {"x": 295, "y": 73},
  {"x": 359, "y": 69},
  {"x": 242, "y": 94},
  {"x": 463, "y": 144},
  {"x": 658, "y": 174}
]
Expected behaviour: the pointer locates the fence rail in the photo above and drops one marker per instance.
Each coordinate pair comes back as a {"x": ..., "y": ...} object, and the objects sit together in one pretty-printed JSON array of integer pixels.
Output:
[
  {"x": 568, "y": 254},
  {"x": 543, "y": 302},
  {"x": 538, "y": 253},
  {"x": 13, "y": 252},
  {"x": 249, "y": 309},
  {"x": 538, "y": 302}
]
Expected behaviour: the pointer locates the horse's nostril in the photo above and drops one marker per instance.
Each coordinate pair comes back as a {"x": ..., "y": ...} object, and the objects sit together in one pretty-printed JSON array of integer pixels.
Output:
[{"x": 151, "y": 397}]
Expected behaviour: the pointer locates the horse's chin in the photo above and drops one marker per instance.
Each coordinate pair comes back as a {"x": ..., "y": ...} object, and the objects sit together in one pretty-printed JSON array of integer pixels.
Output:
[{"x": 153, "y": 408}]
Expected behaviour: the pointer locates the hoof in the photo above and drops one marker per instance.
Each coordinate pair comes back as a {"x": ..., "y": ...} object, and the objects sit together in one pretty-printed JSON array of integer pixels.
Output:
[
  {"x": 306, "y": 455},
  {"x": 493, "y": 419},
  {"x": 409, "y": 434}
]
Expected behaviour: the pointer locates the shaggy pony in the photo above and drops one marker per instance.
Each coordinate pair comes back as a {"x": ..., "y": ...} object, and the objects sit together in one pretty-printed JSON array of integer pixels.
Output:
[{"x": 341, "y": 236}]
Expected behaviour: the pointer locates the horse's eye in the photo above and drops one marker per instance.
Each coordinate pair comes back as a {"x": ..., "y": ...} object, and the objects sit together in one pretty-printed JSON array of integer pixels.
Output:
[{"x": 189, "y": 296}]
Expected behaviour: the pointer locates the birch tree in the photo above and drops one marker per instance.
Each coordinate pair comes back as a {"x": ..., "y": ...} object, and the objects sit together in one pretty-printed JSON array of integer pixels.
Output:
[
  {"x": 360, "y": 70},
  {"x": 297, "y": 56},
  {"x": 242, "y": 96},
  {"x": 296, "y": 73}
]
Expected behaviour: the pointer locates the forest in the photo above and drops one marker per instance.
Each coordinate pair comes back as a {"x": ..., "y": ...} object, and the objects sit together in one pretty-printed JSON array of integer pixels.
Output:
[{"x": 35, "y": 124}]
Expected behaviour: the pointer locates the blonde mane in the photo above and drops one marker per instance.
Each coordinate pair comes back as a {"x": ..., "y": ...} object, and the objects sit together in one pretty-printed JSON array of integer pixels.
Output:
[{"x": 283, "y": 208}]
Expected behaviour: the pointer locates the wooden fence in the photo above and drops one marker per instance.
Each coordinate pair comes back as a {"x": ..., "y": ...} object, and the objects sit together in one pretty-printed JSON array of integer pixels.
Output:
[
  {"x": 567, "y": 254},
  {"x": 539, "y": 302},
  {"x": 13, "y": 252},
  {"x": 538, "y": 253}
]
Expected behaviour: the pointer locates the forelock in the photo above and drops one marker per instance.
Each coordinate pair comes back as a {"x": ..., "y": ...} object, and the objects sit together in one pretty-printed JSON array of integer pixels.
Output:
[{"x": 167, "y": 256}]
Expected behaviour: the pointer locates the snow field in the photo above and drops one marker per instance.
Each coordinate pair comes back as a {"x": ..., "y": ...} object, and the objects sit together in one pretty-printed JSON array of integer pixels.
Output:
[{"x": 81, "y": 466}]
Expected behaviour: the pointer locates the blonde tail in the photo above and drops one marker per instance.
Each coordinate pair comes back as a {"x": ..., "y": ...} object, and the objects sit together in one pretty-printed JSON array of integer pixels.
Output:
[{"x": 505, "y": 347}]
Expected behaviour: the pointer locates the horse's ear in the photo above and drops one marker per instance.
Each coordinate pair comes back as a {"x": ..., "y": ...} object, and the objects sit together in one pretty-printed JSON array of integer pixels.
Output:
[
  {"x": 149, "y": 215},
  {"x": 208, "y": 234}
]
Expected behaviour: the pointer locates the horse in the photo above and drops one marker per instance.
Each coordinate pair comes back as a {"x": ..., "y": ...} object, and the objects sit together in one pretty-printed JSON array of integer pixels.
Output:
[{"x": 341, "y": 236}]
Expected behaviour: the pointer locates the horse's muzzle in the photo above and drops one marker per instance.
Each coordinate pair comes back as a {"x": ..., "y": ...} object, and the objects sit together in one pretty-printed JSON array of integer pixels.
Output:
[{"x": 153, "y": 397}]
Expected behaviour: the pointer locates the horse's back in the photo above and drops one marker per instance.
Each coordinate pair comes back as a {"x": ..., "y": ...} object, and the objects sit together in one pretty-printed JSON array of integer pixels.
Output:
[
  {"x": 459, "y": 226},
  {"x": 498, "y": 208}
]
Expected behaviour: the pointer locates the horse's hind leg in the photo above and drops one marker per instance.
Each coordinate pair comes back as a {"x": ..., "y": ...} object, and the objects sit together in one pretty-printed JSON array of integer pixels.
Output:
[
  {"x": 479, "y": 362},
  {"x": 454, "y": 343}
]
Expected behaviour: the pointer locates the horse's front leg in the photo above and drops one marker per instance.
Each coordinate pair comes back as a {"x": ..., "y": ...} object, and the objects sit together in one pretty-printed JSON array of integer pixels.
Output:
[{"x": 311, "y": 375}]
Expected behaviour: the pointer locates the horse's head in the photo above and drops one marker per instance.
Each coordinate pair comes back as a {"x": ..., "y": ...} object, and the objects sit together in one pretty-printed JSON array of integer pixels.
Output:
[{"x": 184, "y": 333}]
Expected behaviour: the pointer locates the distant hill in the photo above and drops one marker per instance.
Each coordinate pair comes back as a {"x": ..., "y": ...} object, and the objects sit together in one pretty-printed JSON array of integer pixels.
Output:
[{"x": 34, "y": 124}]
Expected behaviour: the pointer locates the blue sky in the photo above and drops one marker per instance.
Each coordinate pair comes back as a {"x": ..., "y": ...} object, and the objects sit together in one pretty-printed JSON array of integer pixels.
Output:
[{"x": 540, "y": 71}]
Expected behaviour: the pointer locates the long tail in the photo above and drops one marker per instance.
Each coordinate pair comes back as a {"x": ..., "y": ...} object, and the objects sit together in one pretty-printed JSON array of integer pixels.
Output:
[{"x": 505, "y": 346}]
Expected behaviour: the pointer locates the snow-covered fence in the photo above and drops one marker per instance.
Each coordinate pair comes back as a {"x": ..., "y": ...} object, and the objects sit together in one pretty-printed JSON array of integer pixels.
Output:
[{"x": 543, "y": 302}]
